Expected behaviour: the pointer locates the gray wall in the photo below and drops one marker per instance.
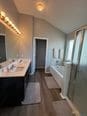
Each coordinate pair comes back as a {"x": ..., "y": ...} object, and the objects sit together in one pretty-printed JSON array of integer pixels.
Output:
[
  {"x": 56, "y": 38},
  {"x": 2, "y": 29},
  {"x": 30, "y": 27},
  {"x": 26, "y": 28},
  {"x": 9, "y": 8},
  {"x": 71, "y": 36}
]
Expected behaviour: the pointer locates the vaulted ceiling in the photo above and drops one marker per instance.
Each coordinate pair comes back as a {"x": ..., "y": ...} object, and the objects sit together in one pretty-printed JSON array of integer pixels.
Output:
[{"x": 66, "y": 15}]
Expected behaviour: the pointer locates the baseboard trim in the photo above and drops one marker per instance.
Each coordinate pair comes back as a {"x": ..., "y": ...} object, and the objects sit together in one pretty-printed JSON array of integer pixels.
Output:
[
  {"x": 74, "y": 109},
  {"x": 62, "y": 96}
]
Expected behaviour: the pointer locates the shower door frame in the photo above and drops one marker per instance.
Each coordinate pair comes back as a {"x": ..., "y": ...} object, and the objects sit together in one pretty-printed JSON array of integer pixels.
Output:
[{"x": 77, "y": 66}]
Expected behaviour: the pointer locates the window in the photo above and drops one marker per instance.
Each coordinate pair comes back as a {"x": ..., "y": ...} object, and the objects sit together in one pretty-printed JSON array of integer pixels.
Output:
[{"x": 70, "y": 49}]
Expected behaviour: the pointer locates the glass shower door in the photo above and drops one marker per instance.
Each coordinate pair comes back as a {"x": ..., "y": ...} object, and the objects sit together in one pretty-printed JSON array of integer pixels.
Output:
[
  {"x": 80, "y": 86},
  {"x": 76, "y": 54}
]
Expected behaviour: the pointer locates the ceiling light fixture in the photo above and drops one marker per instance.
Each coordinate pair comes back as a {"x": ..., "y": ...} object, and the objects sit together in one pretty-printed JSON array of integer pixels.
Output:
[
  {"x": 8, "y": 23},
  {"x": 40, "y": 6}
]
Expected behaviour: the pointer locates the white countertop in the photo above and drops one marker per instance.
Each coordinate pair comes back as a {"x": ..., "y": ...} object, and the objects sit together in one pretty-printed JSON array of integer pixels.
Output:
[{"x": 18, "y": 68}]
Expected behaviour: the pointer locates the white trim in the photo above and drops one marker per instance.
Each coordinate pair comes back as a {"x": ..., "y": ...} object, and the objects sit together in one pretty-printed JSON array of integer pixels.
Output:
[
  {"x": 34, "y": 51},
  {"x": 62, "y": 96},
  {"x": 47, "y": 72},
  {"x": 74, "y": 109}
]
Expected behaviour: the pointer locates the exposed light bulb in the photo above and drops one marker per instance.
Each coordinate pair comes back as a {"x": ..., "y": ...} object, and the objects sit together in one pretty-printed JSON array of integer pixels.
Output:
[
  {"x": 40, "y": 6},
  {"x": 10, "y": 23},
  {"x": 2, "y": 14},
  {"x": 6, "y": 19}
]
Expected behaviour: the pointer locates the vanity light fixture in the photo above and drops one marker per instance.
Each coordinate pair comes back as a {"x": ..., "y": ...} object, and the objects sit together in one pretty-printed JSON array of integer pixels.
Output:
[
  {"x": 2, "y": 15},
  {"x": 8, "y": 23},
  {"x": 6, "y": 19},
  {"x": 40, "y": 6}
]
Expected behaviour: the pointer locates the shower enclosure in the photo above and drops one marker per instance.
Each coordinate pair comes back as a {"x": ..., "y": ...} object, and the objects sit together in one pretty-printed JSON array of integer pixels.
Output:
[{"x": 78, "y": 79}]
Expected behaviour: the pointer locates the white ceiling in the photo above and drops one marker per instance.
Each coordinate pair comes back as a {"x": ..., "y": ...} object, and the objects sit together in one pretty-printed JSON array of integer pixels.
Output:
[{"x": 67, "y": 15}]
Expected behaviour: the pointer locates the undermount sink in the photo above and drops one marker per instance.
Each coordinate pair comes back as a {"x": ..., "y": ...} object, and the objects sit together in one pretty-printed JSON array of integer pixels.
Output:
[
  {"x": 19, "y": 68},
  {"x": 12, "y": 68}
]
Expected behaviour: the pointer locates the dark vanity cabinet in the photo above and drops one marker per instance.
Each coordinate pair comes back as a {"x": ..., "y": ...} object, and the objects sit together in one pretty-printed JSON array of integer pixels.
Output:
[{"x": 12, "y": 90}]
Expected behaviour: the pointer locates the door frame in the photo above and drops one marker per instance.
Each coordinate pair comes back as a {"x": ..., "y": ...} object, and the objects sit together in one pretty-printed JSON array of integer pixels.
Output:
[{"x": 34, "y": 53}]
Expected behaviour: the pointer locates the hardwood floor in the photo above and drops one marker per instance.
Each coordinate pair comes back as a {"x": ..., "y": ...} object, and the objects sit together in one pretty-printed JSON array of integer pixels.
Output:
[
  {"x": 45, "y": 108},
  {"x": 55, "y": 93}
]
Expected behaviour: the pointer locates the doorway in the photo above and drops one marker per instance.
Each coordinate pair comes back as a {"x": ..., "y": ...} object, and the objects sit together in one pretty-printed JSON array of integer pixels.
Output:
[{"x": 40, "y": 54}]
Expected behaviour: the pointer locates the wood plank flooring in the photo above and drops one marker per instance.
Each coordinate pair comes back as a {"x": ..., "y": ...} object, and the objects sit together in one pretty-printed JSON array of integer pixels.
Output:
[
  {"x": 55, "y": 94},
  {"x": 45, "y": 108}
]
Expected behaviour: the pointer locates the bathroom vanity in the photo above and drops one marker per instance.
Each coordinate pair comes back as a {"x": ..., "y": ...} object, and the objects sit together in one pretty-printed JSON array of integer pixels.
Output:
[{"x": 13, "y": 81}]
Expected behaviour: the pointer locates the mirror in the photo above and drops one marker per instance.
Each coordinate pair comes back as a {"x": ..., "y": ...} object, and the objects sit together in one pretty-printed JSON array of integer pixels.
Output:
[
  {"x": 2, "y": 48},
  {"x": 9, "y": 44}
]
